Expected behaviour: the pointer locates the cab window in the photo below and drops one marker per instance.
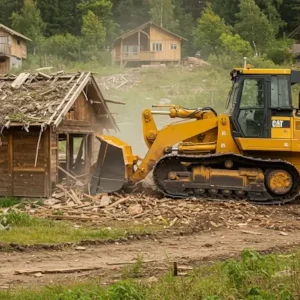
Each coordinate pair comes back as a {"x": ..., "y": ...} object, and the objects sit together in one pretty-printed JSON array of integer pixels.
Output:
[
  {"x": 251, "y": 114},
  {"x": 280, "y": 92}
]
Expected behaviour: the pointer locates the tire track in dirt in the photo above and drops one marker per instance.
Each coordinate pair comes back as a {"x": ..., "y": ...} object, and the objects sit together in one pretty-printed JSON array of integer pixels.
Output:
[{"x": 188, "y": 250}]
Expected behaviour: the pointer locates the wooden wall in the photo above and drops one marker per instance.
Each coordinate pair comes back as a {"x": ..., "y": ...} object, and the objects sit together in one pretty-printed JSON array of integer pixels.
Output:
[
  {"x": 17, "y": 156},
  {"x": 168, "y": 54},
  {"x": 82, "y": 118},
  {"x": 4, "y": 65},
  {"x": 17, "y": 45}
]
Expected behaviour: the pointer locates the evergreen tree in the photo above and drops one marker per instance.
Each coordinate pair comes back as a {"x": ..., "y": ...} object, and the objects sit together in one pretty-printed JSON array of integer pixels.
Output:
[
  {"x": 162, "y": 13},
  {"x": 207, "y": 35},
  {"x": 254, "y": 26},
  {"x": 226, "y": 9},
  {"x": 7, "y": 7},
  {"x": 93, "y": 30},
  {"x": 30, "y": 23}
]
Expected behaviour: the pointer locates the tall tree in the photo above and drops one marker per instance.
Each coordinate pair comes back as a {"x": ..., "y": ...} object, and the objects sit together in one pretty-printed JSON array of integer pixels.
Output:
[
  {"x": 131, "y": 13},
  {"x": 7, "y": 7},
  {"x": 226, "y": 9},
  {"x": 30, "y": 23},
  {"x": 61, "y": 16},
  {"x": 290, "y": 13},
  {"x": 271, "y": 10},
  {"x": 93, "y": 30},
  {"x": 254, "y": 26},
  {"x": 162, "y": 13},
  {"x": 209, "y": 29}
]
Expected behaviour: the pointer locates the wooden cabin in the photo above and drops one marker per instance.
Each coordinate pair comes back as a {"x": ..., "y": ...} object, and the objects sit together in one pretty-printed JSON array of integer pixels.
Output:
[
  {"x": 13, "y": 49},
  {"x": 48, "y": 127},
  {"x": 147, "y": 44}
]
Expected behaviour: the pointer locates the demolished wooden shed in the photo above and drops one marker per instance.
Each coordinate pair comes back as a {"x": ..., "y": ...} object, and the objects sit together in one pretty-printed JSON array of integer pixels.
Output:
[{"x": 48, "y": 126}]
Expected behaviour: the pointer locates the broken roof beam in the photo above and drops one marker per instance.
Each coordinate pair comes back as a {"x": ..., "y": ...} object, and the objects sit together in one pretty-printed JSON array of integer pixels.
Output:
[{"x": 72, "y": 99}]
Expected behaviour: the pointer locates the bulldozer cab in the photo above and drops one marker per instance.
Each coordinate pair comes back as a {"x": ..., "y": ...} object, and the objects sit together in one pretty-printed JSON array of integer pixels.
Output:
[{"x": 260, "y": 100}]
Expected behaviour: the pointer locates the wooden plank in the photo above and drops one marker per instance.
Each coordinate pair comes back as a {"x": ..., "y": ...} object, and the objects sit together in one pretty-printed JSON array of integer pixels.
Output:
[
  {"x": 68, "y": 157},
  {"x": 10, "y": 164},
  {"x": 47, "y": 160},
  {"x": 72, "y": 99},
  {"x": 65, "y": 99},
  {"x": 18, "y": 82},
  {"x": 28, "y": 169}
]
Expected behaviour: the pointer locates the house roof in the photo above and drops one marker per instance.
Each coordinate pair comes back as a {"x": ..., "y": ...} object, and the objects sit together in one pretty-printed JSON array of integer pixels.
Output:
[
  {"x": 41, "y": 99},
  {"x": 133, "y": 31},
  {"x": 13, "y": 32}
]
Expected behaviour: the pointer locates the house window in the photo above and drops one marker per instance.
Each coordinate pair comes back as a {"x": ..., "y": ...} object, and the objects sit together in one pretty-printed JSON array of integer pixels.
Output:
[
  {"x": 173, "y": 46},
  {"x": 157, "y": 47},
  {"x": 19, "y": 42}
]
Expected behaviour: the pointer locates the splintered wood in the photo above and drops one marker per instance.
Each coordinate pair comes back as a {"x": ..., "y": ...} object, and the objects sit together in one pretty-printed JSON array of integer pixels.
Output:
[
  {"x": 121, "y": 81},
  {"x": 36, "y": 98},
  {"x": 73, "y": 205}
]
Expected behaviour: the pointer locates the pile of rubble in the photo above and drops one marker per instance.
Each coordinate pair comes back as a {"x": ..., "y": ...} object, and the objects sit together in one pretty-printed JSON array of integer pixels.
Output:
[
  {"x": 34, "y": 98},
  {"x": 195, "y": 62},
  {"x": 123, "y": 81},
  {"x": 70, "y": 204}
]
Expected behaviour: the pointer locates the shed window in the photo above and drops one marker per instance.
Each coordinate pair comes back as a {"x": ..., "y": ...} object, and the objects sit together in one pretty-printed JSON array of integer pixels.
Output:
[
  {"x": 173, "y": 46},
  {"x": 157, "y": 47},
  {"x": 19, "y": 42}
]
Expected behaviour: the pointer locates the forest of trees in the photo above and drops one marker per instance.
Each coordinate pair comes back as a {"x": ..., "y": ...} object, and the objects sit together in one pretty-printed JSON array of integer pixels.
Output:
[{"x": 226, "y": 29}]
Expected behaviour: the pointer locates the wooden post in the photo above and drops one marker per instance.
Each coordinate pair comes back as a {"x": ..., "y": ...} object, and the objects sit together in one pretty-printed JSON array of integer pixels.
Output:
[
  {"x": 47, "y": 159},
  {"x": 121, "y": 53},
  {"x": 68, "y": 156},
  {"x": 71, "y": 151},
  {"x": 139, "y": 42},
  {"x": 86, "y": 154},
  {"x": 10, "y": 164}
]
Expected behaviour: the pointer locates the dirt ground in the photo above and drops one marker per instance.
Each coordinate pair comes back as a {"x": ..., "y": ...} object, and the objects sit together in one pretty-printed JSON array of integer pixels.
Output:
[{"x": 156, "y": 252}]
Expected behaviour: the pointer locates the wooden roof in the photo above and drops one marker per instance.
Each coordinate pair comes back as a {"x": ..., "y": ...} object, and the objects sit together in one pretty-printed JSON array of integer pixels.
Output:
[
  {"x": 133, "y": 31},
  {"x": 13, "y": 32},
  {"x": 41, "y": 99}
]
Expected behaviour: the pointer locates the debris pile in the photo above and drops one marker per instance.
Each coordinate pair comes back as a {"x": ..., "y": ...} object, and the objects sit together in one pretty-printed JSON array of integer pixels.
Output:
[
  {"x": 195, "y": 62},
  {"x": 36, "y": 98},
  {"x": 123, "y": 81},
  {"x": 70, "y": 204}
]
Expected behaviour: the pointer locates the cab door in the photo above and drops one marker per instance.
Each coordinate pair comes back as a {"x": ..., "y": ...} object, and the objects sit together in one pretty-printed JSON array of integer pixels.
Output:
[{"x": 251, "y": 114}]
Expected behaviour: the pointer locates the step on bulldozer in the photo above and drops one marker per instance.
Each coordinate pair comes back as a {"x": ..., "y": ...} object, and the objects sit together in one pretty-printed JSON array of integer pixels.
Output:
[{"x": 251, "y": 152}]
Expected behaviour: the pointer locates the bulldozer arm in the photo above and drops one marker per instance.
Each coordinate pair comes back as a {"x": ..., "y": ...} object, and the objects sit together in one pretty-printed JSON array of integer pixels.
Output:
[{"x": 114, "y": 165}]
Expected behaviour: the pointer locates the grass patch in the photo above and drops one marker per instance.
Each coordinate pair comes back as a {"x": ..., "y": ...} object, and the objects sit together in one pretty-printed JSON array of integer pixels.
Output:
[
  {"x": 6, "y": 202},
  {"x": 29, "y": 230},
  {"x": 252, "y": 277}
]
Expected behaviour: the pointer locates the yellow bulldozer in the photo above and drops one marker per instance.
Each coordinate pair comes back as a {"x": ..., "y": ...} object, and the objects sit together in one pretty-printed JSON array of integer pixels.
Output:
[{"x": 251, "y": 152}]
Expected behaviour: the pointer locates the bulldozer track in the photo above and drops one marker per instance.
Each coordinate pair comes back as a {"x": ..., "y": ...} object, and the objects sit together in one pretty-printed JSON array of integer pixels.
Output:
[{"x": 215, "y": 161}]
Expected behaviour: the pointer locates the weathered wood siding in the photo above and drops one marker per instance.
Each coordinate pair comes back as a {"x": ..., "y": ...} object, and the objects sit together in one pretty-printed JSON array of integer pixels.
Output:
[
  {"x": 53, "y": 157},
  {"x": 17, "y": 46},
  {"x": 5, "y": 181},
  {"x": 4, "y": 65},
  {"x": 19, "y": 175},
  {"x": 82, "y": 118}
]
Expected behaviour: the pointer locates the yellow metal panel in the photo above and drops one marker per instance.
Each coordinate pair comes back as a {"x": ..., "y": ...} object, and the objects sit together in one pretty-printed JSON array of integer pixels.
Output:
[
  {"x": 264, "y": 71},
  {"x": 281, "y": 133},
  {"x": 225, "y": 141},
  {"x": 247, "y": 144}
]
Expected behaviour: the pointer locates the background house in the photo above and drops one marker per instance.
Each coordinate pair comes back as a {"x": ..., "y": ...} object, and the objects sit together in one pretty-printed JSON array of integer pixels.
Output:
[
  {"x": 147, "y": 44},
  {"x": 48, "y": 126},
  {"x": 13, "y": 49}
]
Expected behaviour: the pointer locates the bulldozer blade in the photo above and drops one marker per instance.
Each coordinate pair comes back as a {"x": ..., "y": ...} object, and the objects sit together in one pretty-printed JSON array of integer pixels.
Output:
[{"x": 110, "y": 173}]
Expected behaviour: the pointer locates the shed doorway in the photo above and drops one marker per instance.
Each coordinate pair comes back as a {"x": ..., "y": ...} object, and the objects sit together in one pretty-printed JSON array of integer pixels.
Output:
[{"x": 74, "y": 156}]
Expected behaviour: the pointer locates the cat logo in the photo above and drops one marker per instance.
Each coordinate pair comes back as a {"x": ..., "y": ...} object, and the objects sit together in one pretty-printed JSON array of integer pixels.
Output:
[
  {"x": 277, "y": 124},
  {"x": 281, "y": 124}
]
